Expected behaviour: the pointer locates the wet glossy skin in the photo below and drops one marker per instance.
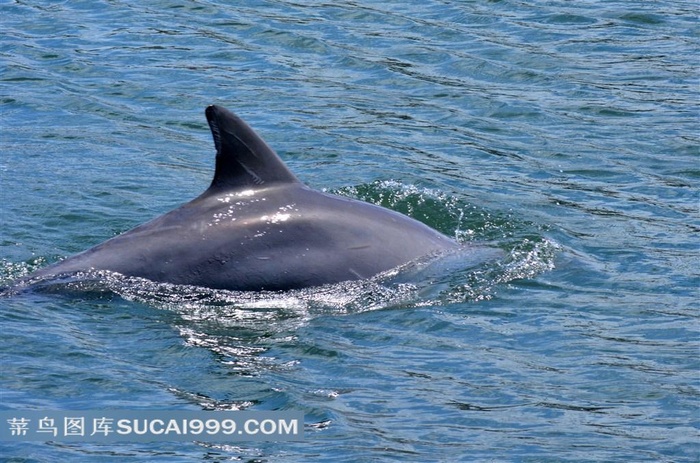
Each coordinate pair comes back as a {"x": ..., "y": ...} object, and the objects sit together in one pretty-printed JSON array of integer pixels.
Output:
[{"x": 258, "y": 228}]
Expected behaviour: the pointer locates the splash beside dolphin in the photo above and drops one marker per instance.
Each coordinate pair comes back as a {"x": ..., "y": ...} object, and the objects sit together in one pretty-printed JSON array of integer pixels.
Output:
[{"x": 257, "y": 227}]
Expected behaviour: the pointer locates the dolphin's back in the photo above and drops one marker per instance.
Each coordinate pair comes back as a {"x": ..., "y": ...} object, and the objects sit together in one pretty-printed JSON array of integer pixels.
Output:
[{"x": 258, "y": 228}]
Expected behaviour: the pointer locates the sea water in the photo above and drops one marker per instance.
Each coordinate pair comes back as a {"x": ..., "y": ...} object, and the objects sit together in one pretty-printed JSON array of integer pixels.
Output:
[{"x": 563, "y": 136}]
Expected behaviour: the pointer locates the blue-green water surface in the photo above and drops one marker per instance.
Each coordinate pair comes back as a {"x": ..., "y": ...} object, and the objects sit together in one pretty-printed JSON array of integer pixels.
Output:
[{"x": 564, "y": 135}]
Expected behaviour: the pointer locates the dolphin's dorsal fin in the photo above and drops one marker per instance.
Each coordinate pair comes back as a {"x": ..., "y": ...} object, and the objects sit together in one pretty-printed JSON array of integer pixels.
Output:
[{"x": 243, "y": 159}]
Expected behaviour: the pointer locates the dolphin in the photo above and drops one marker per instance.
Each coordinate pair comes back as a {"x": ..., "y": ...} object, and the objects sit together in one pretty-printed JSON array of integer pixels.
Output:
[{"x": 257, "y": 227}]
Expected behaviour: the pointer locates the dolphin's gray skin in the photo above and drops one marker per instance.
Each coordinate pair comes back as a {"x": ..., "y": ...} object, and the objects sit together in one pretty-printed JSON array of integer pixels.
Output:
[{"x": 258, "y": 228}]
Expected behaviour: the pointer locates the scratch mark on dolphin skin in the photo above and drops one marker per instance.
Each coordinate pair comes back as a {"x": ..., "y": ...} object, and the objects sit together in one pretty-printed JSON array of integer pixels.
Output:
[
  {"x": 356, "y": 273},
  {"x": 359, "y": 246}
]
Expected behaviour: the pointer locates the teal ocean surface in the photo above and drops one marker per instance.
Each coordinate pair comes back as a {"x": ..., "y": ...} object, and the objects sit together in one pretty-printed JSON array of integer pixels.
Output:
[{"x": 562, "y": 136}]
